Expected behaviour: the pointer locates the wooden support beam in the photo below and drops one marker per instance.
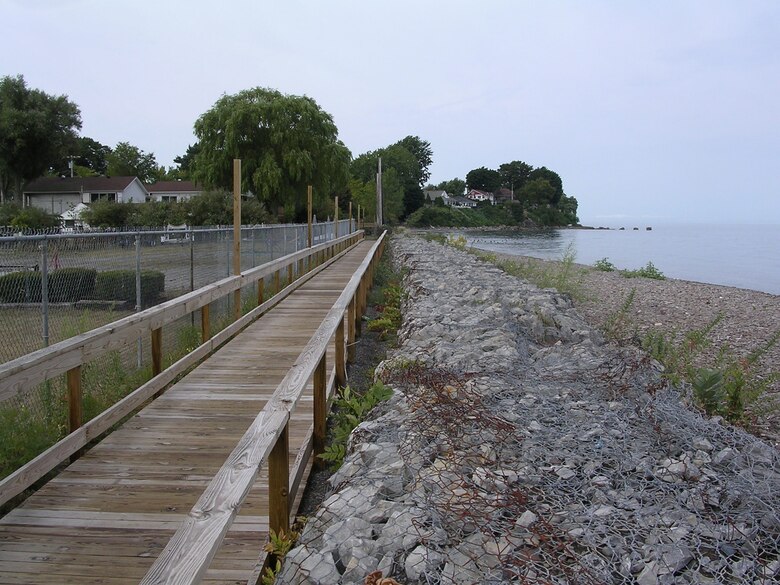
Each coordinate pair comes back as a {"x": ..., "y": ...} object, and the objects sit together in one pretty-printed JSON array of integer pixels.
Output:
[
  {"x": 279, "y": 483},
  {"x": 260, "y": 291},
  {"x": 156, "y": 351},
  {"x": 358, "y": 310},
  {"x": 300, "y": 268},
  {"x": 320, "y": 384},
  {"x": 341, "y": 362},
  {"x": 205, "y": 323},
  {"x": 75, "y": 403},
  {"x": 351, "y": 331},
  {"x": 277, "y": 282},
  {"x": 289, "y": 273}
]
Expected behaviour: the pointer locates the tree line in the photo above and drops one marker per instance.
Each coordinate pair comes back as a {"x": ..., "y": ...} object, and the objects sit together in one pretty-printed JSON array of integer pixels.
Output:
[{"x": 285, "y": 143}]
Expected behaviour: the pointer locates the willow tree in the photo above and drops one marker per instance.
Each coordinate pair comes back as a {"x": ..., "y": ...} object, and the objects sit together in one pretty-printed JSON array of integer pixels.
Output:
[{"x": 285, "y": 142}]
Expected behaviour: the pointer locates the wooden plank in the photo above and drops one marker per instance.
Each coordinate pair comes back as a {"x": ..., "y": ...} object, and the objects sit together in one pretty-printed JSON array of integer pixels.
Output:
[
  {"x": 320, "y": 408},
  {"x": 341, "y": 361},
  {"x": 279, "y": 484},
  {"x": 156, "y": 351},
  {"x": 75, "y": 403}
]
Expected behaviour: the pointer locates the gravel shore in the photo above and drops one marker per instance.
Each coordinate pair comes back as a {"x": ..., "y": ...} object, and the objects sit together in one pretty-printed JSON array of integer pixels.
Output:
[{"x": 750, "y": 318}]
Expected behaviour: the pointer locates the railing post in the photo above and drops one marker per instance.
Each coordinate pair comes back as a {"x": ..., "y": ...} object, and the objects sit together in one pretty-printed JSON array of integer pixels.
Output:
[
  {"x": 277, "y": 286},
  {"x": 358, "y": 309},
  {"x": 279, "y": 483},
  {"x": 205, "y": 324},
  {"x": 351, "y": 331},
  {"x": 300, "y": 267},
  {"x": 319, "y": 382},
  {"x": 260, "y": 291},
  {"x": 290, "y": 273},
  {"x": 156, "y": 351},
  {"x": 341, "y": 363},
  {"x": 75, "y": 408}
]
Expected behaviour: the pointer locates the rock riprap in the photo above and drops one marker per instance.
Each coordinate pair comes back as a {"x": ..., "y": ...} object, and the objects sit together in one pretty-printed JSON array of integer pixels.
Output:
[{"x": 518, "y": 447}]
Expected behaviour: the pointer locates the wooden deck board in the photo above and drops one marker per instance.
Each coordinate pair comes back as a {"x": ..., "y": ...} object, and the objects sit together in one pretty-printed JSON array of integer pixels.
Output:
[{"x": 107, "y": 516}]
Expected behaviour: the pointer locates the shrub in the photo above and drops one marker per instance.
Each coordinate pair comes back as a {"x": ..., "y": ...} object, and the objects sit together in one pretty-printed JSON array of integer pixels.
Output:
[
  {"x": 21, "y": 287},
  {"x": 119, "y": 285},
  {"x": 647, "y": 271},
  {"x": 604, "y": 265},
  {"x": 68, "y": 285}
]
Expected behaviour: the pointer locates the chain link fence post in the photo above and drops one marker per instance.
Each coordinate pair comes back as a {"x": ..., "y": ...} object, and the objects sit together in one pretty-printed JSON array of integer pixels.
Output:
[
  {"x": 45, "y": 290},
  {"x": 138, "y": 291}
]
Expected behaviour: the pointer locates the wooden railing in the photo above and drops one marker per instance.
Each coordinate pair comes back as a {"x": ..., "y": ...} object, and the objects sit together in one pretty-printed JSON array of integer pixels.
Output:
[
  {"x": 190, "y": 551},
  {"x": 67, "y": 357}
]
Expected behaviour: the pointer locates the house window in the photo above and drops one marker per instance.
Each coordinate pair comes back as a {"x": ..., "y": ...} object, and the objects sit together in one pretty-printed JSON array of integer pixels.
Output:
[
  {"x": 102, "y": 197},
  {"x": 168, "y": 198}
]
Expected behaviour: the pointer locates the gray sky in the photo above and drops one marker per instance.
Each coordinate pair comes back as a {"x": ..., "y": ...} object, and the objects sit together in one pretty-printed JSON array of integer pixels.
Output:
[{"x": 664, "y": 111}]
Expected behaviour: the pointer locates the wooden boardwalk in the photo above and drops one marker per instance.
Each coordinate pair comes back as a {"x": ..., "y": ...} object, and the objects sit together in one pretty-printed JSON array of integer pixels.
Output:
[{"x": 108, "y": 515}]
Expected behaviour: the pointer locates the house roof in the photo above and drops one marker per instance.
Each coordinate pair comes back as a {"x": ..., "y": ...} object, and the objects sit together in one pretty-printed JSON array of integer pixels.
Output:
[
  {"x": 434, "y": 194},
  {"x": 173, "y": 187},
  {"x": 77, "y": 184}
]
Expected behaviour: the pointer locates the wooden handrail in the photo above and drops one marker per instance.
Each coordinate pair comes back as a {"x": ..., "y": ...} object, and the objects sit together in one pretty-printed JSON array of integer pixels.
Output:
[
  {"x": 47, "y": 363},
  {"x": 85, "y": 345},
  {"x": 190, "y": 551}
]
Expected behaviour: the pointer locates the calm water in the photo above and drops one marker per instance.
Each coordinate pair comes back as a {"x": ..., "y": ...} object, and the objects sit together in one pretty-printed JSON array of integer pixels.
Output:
[{"x": 741, "y": 256}]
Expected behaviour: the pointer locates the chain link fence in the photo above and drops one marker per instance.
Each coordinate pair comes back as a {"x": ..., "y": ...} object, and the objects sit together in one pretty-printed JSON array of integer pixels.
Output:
[{"x": 55, "y": 286}]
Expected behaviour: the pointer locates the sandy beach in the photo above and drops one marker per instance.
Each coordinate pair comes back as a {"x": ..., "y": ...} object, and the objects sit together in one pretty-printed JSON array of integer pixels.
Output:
[{"x": 750, "y": 318}]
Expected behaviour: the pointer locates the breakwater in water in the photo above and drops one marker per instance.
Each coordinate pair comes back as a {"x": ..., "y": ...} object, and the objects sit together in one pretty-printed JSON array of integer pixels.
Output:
[{"x": 519, "y": 447}]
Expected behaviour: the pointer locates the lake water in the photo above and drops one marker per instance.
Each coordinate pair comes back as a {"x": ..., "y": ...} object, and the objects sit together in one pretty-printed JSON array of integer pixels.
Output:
[{"x": 741, "y": 256}]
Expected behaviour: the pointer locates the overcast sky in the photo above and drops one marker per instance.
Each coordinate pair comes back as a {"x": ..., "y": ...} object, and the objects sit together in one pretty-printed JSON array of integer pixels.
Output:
[{"x": 663, "y": 111}]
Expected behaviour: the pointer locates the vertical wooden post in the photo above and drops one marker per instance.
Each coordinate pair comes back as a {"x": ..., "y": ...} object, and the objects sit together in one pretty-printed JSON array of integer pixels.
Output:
[
  {"x": 350, "y": 218},
  {"x": 309, "y": 197},
  {"x": 277, "y": 280},
  {"x": 336, "y": 217},
  {"x": 279, "y": 483},
  {"x": 341, "y": 362},
  {"x": 358, "y": 310},
  {"x": 75, "y": 405},
  {"x": 205, "y": 324},
  {"x": 260, "y": 291},
  {"x": 320, "y": 409},
  {"x": 351, "y": 331},
  {"x": 300, "y": 267},
  {"x": 156, "y": 351},
  {"x": 289, "y": 273},
  {"x": 236, "y": 234}
]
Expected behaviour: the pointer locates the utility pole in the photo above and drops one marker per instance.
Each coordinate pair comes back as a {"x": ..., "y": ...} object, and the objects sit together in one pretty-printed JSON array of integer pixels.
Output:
[{"x": 379, "y": 199}]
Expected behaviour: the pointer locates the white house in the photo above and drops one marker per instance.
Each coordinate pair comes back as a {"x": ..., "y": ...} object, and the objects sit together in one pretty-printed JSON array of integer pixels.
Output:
[
  {"x": 59, "y": 194},
  {"x": 477, "y": 195},
  {"x": 434, "y": 194},
  {"x": 463, "y": 202},
  {"x": 173, "y": 190}
]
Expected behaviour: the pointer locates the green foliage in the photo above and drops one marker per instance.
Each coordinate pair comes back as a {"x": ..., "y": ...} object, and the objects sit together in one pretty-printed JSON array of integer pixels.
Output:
[
  {"x": 647, "y": 271},
  {"x": 564, "y": 276},
  {"x": 127, "y": 160},
  {"x": 484, "y": 179},
  {"x": 730, "y": 388},
  {"x": 514, "y": 174},
  {"x": 404, "y": 171},
  {"x": 455, "y": 187},
  {"x": 35, "y": 218},
  {"x": 37, "y": 130},
  {"x": 108, "y": 214},
  {"x": 21, "y": 287},
  {"x": 68, "y": 285},
  {"x": 455, "y": 217},
  {"x": 617, "y": 323},
  {"x": 604, "y": 265},
  {"x": 119, "y": 285},
  {"x": 24, "y": 434},
  {"x": 285, "y": 143},
  {"x": 350, "y": 409},
  {"x": 458, "y": 242}
]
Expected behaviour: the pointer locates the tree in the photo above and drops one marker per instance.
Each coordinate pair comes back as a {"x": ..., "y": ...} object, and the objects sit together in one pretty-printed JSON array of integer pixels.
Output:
[
  {"x": 90, "y": 159},
  {"x": 127, "y": 160},
  {"x": 108, "y": 214},
  {"x": 483, "y": 179},
  {"x": 538, "y": 192},
  {"x": 36, "y": 132},
  {"x": 552, "y": 178},
  {"x": 423, "y": 154},
  {"x": 455, "y": 187},
  {"x": 514, "y": 174},
  {"x": 186, "y": 161},
  {"x": 285, "y": 142}
]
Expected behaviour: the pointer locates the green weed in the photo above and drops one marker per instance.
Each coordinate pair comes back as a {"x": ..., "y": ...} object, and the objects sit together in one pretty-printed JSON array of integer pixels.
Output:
[
  {"x": 604, "y": 265},
  {"x": 649, "y": 270}
]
